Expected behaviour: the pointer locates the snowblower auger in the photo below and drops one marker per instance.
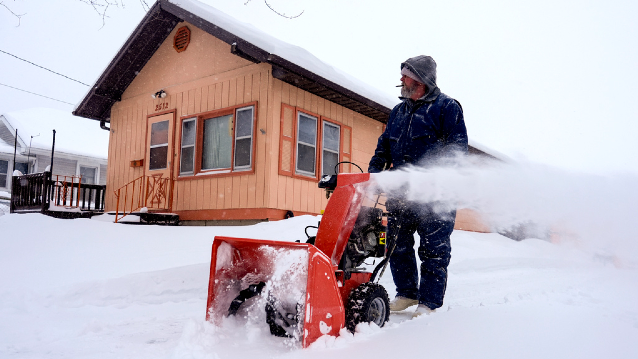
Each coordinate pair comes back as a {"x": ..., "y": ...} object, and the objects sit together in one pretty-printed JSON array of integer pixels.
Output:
[{"x": 307, "y": 290}]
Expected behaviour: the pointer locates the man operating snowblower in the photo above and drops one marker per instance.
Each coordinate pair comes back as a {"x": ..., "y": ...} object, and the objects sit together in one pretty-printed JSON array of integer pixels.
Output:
[{"x": 424, "y": 128}]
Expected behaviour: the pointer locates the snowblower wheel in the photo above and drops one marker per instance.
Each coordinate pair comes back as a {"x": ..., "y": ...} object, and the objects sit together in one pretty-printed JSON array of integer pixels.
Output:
[{"x": 368, "y": 303}]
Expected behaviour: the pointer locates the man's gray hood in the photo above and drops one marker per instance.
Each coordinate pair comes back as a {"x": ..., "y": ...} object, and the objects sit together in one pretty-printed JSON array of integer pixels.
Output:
[{"x": 425, "y": 68}]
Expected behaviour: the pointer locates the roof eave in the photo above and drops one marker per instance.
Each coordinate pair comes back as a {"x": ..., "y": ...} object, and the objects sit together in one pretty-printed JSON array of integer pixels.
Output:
[{"x": 122, "y": 70}]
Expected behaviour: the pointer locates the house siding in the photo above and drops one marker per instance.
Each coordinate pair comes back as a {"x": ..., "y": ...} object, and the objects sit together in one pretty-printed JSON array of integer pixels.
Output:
[
  {"x": 226, "y": 80},
  {"x": 6, "y": 135},
  {"x": 102, "y": 179},
  {"x": 61, "y": 166},
  {"x": 303, "y": 195}
]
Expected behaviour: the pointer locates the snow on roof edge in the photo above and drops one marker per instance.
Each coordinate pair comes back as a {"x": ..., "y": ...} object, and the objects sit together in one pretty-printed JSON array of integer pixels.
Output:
[{"x": 292, "y": 53}]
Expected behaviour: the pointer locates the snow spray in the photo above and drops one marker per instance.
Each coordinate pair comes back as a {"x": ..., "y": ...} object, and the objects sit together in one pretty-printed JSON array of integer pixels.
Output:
[{"x": 596, "y": 212}]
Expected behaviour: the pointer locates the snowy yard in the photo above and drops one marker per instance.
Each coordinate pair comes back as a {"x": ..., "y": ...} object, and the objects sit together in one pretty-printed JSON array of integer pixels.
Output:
[{"x": 93, "y": 289}]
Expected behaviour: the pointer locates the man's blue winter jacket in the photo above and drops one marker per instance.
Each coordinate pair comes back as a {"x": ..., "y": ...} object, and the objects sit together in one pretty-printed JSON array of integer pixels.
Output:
[{"x": 421, "y": 132}]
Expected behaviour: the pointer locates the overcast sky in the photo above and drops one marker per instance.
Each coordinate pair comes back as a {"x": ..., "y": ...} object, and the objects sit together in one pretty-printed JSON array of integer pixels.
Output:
[{"x": 553, "y": 82}]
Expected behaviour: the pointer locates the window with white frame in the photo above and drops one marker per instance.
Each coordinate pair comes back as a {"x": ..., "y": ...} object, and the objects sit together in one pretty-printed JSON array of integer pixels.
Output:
[
  {"x": 158, "y": 157},
  {"x": 4, "y": 169},
  {"x": 306, "y": 144},
  {"x": 331, "y": 136},
  {"x": 244, "y": 139},
  {"x": 218, "y": 142},
  {"x": 312, "y": 145},
  {"x": 89, "y": 175},
  {"x": 187, "y": 154}
]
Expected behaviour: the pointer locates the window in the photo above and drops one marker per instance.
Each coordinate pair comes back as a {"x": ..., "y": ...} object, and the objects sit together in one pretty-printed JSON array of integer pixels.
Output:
[
  {"x": 4, "y": 168},
  {"x": 218, "y": 142},
  {"x": 330, "y": 148},
  {"x": 88, "y": 174},
  {"x": 306, "y": 144},
  {"x": 311, "y": 145},
  {"x": 244, "y": 139},
  {"x": 187, "y": 155},
  {"x": 23, "y": 167},
  {"x": 159, "y": 146}
]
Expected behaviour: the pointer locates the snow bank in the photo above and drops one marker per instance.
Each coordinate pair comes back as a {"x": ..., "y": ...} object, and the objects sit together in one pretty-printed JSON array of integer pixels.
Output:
[{"x": 94, "y": 289}]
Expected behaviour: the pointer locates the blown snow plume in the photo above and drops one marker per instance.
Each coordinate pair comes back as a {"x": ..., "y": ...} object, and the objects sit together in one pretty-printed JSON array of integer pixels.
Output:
[{"x": 592, "y": 211}]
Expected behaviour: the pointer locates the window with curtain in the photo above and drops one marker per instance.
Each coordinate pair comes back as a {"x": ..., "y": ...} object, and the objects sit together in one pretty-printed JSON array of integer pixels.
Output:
[{"x": 219, "y": 141}]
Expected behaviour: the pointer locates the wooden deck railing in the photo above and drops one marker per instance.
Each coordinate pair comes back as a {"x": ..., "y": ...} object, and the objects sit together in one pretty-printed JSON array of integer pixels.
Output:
[
  {"x": 37, "y": 192},
  {"x": 70, "y": 192},
  {"x": 29, "y": 193},
  {"x": 152, "y": 192}
]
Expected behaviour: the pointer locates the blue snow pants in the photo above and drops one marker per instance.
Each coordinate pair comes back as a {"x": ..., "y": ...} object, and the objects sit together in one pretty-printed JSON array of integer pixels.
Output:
[{"x": 434, "y": 250}]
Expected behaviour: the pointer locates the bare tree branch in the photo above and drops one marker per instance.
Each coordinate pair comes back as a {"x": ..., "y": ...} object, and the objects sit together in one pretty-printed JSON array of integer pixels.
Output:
[
  {"x": 18, "y": 16},
  {"x": 277, "y": 12},
  {"x": 282, "y": 14},
  {"x": 101, "y": 7}
]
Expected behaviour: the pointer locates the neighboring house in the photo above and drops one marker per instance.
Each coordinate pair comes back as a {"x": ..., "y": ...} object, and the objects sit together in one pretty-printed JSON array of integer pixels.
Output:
[
  {"x": 241, "y": 125},
  {"x": 80, "y": 149}
]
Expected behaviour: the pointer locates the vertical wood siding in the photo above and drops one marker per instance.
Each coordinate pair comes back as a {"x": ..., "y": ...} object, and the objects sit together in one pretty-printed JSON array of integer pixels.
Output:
[
  {"x": 128, "y": 134},
  {"x": 207, "y": 77},
  {"x": 300, "y": 195}
]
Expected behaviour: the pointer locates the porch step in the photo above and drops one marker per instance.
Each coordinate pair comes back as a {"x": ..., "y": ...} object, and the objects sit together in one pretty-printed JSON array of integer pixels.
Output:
[
  {"x": 70, "y": 214},
  {"x": 166, "y": 219}
]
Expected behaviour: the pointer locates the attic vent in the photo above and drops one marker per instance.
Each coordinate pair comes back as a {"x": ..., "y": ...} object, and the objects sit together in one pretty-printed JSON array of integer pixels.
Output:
[{"x": 182, "y": 39}]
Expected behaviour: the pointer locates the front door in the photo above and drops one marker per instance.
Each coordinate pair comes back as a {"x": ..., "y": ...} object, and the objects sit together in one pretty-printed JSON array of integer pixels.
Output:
[{"x": 159, "y": 162}]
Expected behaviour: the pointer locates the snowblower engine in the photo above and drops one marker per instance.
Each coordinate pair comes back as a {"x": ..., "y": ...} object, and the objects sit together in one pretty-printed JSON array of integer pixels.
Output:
[{"x": 366, "y": 240}]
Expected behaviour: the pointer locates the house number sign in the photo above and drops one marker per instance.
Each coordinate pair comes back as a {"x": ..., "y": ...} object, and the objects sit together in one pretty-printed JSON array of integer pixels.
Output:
[{"x": 161, "y": 106}]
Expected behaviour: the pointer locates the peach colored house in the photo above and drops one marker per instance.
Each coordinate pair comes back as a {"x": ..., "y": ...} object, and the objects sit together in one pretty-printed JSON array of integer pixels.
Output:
[{"x": 215, "y": 121}]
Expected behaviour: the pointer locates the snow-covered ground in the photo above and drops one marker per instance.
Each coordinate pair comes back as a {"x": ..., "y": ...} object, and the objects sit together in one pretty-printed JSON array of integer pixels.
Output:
[{"x": 93, "y": 289}]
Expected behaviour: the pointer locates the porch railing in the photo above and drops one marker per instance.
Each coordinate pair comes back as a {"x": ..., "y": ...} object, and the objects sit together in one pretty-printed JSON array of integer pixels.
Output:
[
  {"x": 151, "y": 192},
  {"x": 37, "y": 192},
  {"x": 70, "y": 192},
  {"x": 29, "y": 193}
]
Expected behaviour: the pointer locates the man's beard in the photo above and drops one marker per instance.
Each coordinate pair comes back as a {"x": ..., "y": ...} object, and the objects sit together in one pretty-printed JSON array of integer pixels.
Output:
[{"x": 408, "y": 91}]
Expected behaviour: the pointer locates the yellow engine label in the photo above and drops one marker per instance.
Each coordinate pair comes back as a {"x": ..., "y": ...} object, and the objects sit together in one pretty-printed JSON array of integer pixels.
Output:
[{"x": 382, "y": 238}]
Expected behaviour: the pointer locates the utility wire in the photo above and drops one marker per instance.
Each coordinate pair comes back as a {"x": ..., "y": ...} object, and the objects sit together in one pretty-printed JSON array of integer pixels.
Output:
[
  {"x": 37, "y": 94},
  {"x": 42, "y": 67}
]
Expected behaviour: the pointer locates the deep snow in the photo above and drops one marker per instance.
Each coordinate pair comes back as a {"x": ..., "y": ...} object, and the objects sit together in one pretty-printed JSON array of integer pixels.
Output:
[{"x": 94, "y": 289}]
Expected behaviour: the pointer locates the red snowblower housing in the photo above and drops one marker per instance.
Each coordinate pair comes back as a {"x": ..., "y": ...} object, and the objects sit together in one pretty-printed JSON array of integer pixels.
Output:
[{"x": 307, "y": 289}]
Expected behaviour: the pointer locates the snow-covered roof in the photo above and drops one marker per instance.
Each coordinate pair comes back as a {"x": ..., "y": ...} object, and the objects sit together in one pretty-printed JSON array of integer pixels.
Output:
[
  {"x": 291, "y": 64},
  {"x": 292, "y": 53},
  {"x": 4, "y": 148},
  {"x": 74, "y": 135}
]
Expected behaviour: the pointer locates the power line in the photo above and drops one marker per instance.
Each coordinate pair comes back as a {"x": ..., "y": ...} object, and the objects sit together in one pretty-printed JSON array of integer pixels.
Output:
[
  {"x": 42, "y": 67},
  {"x": 37, "y": 94}
]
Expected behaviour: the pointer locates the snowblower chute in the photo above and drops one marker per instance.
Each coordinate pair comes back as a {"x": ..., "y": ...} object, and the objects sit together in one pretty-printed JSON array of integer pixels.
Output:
[{"x": 306, "y": 290}]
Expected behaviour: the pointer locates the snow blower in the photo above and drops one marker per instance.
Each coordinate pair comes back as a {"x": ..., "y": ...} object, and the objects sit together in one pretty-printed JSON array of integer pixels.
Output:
[{"x": 308, "y": 289}]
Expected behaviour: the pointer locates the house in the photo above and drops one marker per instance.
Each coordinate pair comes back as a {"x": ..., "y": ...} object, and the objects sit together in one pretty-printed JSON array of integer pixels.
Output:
[
  {"x": 80, "y": 149},
  {"x": 219, "y": 122}
]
